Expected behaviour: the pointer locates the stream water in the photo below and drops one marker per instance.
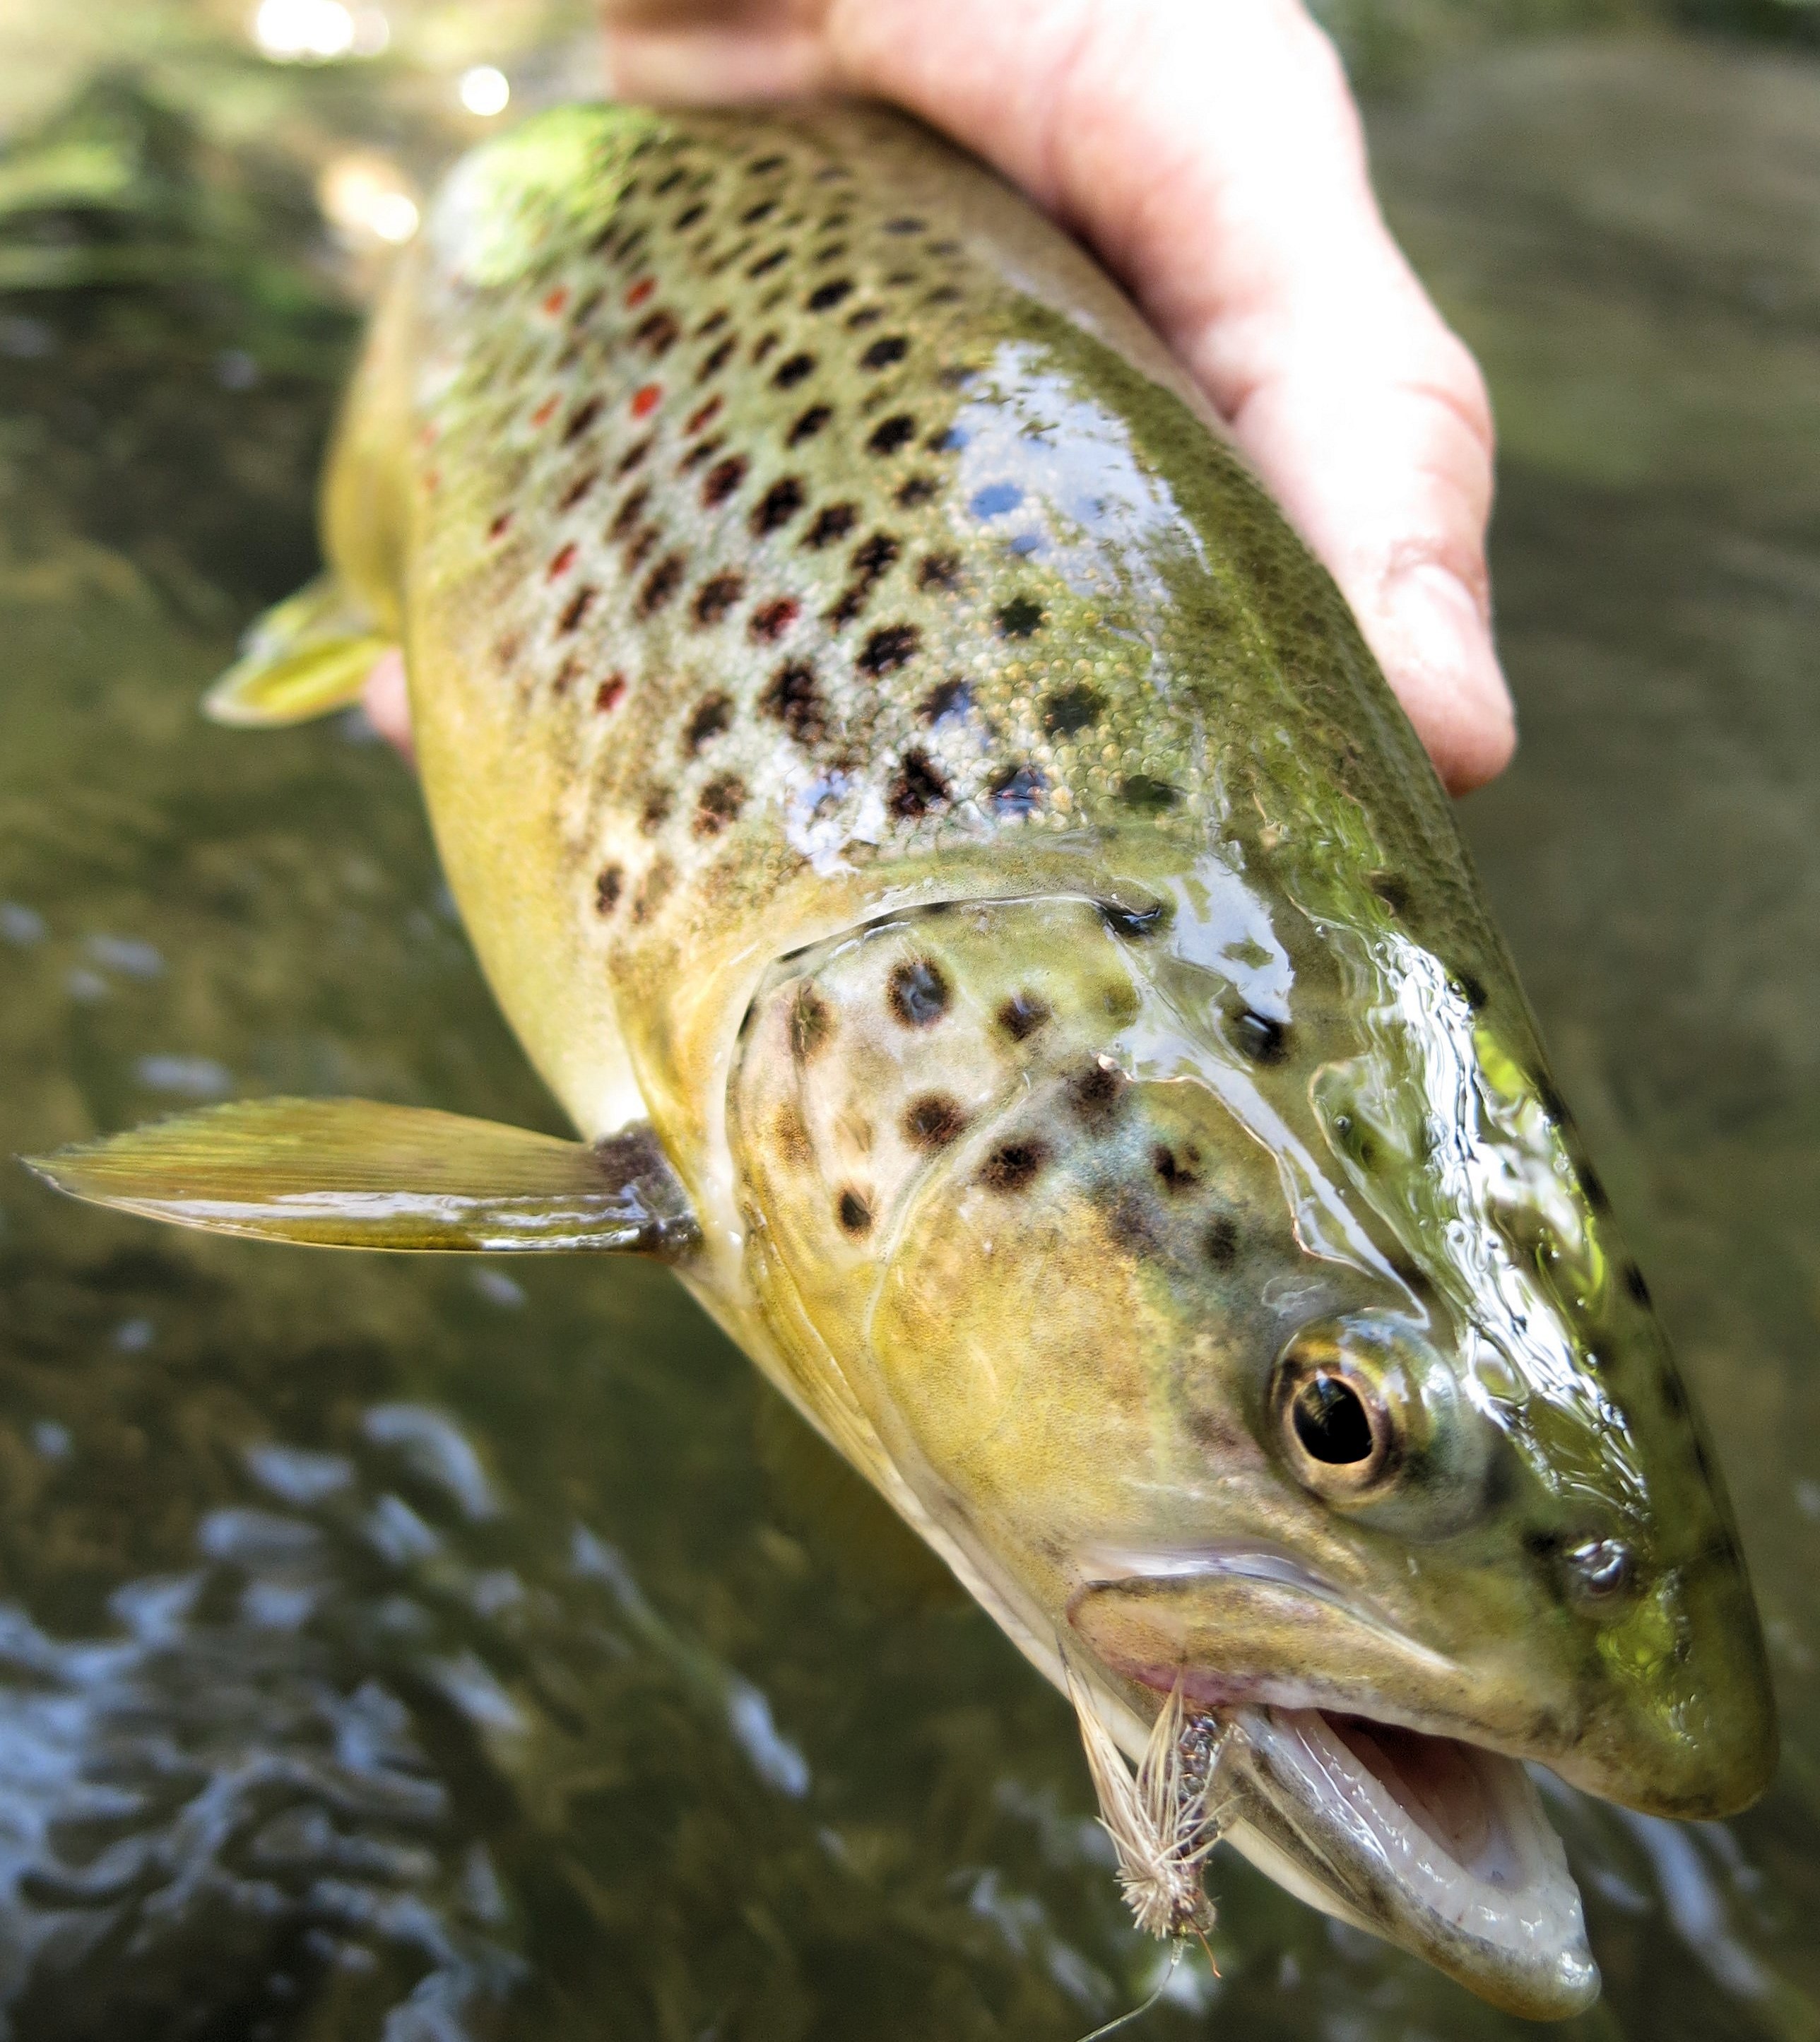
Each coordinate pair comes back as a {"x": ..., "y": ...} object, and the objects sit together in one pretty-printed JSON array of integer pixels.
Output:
[{"x": 433, "y": 1650}]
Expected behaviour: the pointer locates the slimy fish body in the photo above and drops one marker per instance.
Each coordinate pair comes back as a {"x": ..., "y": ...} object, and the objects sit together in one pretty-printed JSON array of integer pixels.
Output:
[{"x": 947, "y": 846}]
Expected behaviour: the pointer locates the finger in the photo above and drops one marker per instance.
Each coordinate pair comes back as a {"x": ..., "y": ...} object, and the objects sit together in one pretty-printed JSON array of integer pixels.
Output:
[
  {"x": 387, "y": 702},
  {"x": 704, "y": 52}
]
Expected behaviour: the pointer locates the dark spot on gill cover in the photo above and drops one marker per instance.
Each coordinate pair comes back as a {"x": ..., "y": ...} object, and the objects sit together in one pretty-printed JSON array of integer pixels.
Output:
[
  {"x": 1022, "y": 1016},
  {"x": 1097, "y": 1096},
  {"x": 918, "y": 788},
  {"x": 1177, "y": 1173},
  {"x": 1019, "y": 617},
  {"x": 812, "y": 1023},
  {"x": 854, "y": 1214},
  {"x": 918, "y": 992},
  {"x": 1013, "y": 1165},
  {"x": 932, "y": 1122}
]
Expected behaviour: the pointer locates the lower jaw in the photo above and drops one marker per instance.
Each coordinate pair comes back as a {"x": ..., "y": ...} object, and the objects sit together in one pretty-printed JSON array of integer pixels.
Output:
[{"x": 1370, "y": 1823}]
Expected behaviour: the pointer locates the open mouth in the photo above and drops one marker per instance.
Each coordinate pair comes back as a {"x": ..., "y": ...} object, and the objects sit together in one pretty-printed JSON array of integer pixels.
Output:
[{"x": 1436, "y": 1844}]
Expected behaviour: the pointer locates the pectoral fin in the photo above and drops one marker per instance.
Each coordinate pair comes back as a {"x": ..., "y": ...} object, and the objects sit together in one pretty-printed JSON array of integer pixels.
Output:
[
  {"x": 309, "y": 655},
  {"x": 352, "y": 1173}
]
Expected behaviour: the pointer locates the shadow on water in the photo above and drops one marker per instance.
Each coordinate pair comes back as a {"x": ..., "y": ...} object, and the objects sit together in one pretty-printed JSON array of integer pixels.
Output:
[{"x": 435, "y": 1650}]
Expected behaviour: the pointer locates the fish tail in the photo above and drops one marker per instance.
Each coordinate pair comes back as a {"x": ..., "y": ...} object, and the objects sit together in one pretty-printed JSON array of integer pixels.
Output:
[{"x": 310, "y": 655}]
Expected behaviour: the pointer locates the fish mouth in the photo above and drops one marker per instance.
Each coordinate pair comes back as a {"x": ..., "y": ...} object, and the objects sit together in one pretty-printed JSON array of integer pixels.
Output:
[{"x": 1435, "y": 1842}]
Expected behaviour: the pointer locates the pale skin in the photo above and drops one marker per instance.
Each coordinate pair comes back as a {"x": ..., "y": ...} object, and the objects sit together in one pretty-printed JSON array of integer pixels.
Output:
[{"x": 1210, "y": 153}]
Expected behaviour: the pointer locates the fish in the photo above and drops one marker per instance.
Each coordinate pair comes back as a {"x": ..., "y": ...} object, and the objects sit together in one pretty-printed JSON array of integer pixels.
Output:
[{"x": 945, "y": 843}]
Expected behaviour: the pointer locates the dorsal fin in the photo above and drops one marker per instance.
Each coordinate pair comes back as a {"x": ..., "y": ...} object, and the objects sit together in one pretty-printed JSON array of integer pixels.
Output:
[
  {"x": 355, "y": 1173},
  {"x": 308, "y": 656}
]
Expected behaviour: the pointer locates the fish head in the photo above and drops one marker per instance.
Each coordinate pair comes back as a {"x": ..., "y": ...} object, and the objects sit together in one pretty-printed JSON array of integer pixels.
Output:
[{"x": 1234, "y": 1293}]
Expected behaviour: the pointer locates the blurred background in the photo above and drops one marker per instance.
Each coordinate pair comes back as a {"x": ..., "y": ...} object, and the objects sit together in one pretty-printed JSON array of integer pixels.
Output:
[{"x": 429, "y": 1650}]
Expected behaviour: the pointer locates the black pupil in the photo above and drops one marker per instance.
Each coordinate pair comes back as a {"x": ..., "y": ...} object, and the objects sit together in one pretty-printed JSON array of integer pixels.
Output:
[{"x": 1330, "y": 1422}]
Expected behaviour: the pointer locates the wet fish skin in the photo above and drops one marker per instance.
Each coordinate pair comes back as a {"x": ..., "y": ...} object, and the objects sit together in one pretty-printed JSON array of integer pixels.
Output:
[{"x": 876, "y": 731}]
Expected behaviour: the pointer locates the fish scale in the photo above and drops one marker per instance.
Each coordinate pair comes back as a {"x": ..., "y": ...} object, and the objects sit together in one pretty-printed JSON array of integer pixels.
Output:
[{"x": 946, "y": 845}]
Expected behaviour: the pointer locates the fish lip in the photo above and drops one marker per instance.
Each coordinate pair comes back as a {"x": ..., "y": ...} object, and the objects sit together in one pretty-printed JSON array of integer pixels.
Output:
[{"x": 1324, "y": 1808}]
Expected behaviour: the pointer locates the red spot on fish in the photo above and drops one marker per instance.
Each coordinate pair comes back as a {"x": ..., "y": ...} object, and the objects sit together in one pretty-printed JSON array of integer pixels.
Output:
[
  {"x": 563, "y": 561},
  {"x": 775, "y": 619},
  {"x": 557, "y": 300},
  {"x": 544, "y": 412},
  {"x": 645, "y": 400},
  {"x": 497, "y": 529},
  {"x": 432, "y": 482},
  {"x": 641, "y": 291},
  {"x": 701, "y": 417},
  {"x": 610, "y": 693}
]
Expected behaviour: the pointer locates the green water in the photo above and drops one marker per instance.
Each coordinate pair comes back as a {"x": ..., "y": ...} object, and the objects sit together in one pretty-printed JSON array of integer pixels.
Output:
[{"x": 429, "y": 1650}]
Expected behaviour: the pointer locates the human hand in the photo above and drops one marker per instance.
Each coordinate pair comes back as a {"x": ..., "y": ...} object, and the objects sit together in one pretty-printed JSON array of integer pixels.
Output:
[{"x": 1210, "y": 153}]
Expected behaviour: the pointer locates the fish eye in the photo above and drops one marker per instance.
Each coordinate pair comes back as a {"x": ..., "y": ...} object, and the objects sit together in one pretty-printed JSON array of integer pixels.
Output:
[
  {"x": 1339, "y": 1421},
  {"x": 1331, "y": 1423}
]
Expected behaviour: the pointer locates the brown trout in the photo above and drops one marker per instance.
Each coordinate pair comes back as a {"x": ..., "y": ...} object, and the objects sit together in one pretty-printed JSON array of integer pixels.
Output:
[{"x": 946, "y": 845}]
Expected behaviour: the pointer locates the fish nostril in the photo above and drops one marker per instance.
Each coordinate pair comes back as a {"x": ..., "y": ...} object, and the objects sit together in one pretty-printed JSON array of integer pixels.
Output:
[{"x": 1600, "y": 1571}]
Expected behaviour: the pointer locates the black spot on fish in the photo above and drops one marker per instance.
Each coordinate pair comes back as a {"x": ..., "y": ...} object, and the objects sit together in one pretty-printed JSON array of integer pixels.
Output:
[
  {"x": 825, "y": 297},
  {"x": 1472, "y": 990},
  {"x": 581, "y": 418},
  {"x": 763, "y": 210},
  {"x": 1097, "y": 1096},
  {"x": 578, "y": 489},
  {"x": 1220, "y": 1243},
  {"x": 656, "y": 810},
  {"x": 918, "y": 992},
  {"x": 869, "y": 316},
  {"x": 1177, "y": 1173},
  {"x": 808, "y": 425},
  {"x": 767, "y": 263},
  {"x": 634, "y": 456},
  {"x": 1019, "y": 617},
  {"x": 702, "y": 414},
  {"x": 717, "y": 360},
  {"x": 778, "y": 506},
  {"x": 946, "y": 700},
  {"x": 1017, "y": 791},
  {"x": 607, "y": 886},
  {"x": 1552, "y": 1103},
  {"x": 793, "y": 698},
  {"x": 630, "y": 511},
  {"x": 659, "y": 334},
  {"x": 932, "y": 1122},
  {"x": 873, "y": 556},
  {"x": 906, "y": 225},
  {"x": 1261, "y": 1037},
  {"x": 939, "y": 571},
  {"x": 1021, "y": 1015},
  {"x": 764, "y": 166},
  {"x": 918, "y": 788},
  {"x": 576, "y": 608},
  {"x": 660, "y": 584},
  {"x": 853, "y": 1213},
  {"x": 881, "y": 353},
  {"x": 832, "y": 521},
  {"x": 687, "y": 217},
  {"x": 811, "y": 1022},
  {"x": 713, "y": 324},
  {"x": 1674, "y": 1397},
  {"x": 890, "y": 649},
  {"x": 1593, "y": 1190},
  {"x": 723, "y": 479},
  {"x": 1392, "y": 888},
  {"x": 1634, "y": 1283},
  {"x": 791, "y": 372},
  {"x": 714, "y": 714},
  {"x": 720, "y": 803},
  {"x": 654, "y": 889},
  {"x": 892, "y": 434},
  {"x": 918, "y": 489},
  {"x": 1149, "y": 796},
  {"x": 717, "y": 597},
  {"x": 1013, "y": 1165},
  {"x": 1073, "y": 710}
]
